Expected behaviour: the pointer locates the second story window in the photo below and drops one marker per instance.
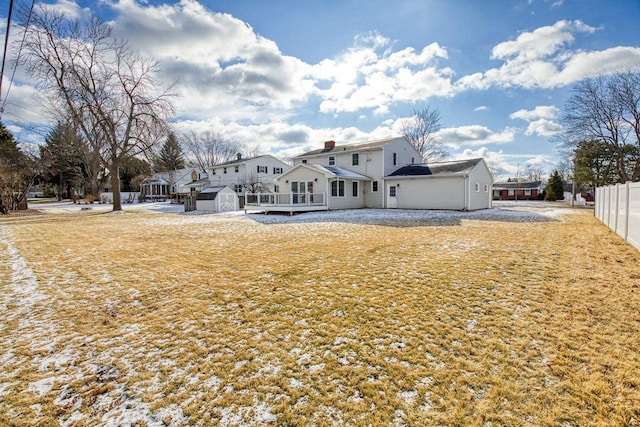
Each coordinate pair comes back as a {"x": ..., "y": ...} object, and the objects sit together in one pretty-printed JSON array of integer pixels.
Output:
[
  {"x": 237, "y": 169},
  {"x": 224, "y": 170},
  {"x": 277, "y": 171},
  {"x": 355, "y": 159},
  {"x": 213, "y": 171},
  {"x": 332, "y": 161},
  {"x": 262, "y": 169}
]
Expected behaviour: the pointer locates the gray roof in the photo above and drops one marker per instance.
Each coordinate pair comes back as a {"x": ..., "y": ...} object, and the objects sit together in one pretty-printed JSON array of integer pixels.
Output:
[
  {"x": 342, "y": 173},
  {"x": 349, "y": 147},
  {"x": 518, "y": 185},
  {"x": 237, "y": 161},
  {"x": 458, "y": 167}
]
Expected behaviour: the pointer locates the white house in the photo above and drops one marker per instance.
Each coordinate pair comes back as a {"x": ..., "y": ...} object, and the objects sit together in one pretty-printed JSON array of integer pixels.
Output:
[
  {"x": 172, "y": 184},
  {"x": 247, "y": 175},
  {"x": 217, "y": 199},
  {"x": 369, "y": 175}
]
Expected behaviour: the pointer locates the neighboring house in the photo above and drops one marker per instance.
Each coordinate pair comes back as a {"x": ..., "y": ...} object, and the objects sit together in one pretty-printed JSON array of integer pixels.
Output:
[
  {"x": 255, "y": 174},
  {"x": 456, "y": 185},
  {"x": 362, "y": 175},
  {"x": 217, "y": 199},
  {"x": 523, "y": 190},
  {"x": 173, "y": 184}
]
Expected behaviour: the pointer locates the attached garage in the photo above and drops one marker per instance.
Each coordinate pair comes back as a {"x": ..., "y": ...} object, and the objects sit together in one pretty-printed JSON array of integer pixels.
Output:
[
  {"x": 455, "y": 185},
  {"x": 217, "y": 199}
]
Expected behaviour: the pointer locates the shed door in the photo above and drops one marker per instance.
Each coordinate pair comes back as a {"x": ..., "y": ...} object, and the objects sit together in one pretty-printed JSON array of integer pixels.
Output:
[
  {"x": 392, "y": 199},
  {"x": 227, "y": 202}
]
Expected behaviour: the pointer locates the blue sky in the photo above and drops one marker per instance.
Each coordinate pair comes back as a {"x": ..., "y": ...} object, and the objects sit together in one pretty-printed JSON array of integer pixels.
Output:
[{"x": 283, "y": 76}]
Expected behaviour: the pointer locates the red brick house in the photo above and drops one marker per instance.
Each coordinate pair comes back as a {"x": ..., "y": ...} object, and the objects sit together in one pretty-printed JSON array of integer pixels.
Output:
[{"x": 523, "y": 190}]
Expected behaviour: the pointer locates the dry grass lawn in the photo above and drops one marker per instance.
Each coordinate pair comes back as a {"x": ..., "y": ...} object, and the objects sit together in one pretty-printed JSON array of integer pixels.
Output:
[{"x": 174, "y": 319}]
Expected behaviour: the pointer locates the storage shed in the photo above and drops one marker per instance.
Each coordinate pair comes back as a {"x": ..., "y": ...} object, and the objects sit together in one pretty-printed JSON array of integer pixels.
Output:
[{"x": 217, "y": 199}]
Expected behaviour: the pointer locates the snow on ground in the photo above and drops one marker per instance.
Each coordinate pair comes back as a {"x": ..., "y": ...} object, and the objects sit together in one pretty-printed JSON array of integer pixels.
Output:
[{"x": 69, "y": 207}]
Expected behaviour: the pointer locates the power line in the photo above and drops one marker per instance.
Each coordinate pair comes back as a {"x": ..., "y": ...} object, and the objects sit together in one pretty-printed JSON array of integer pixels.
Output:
[
  {"x": 6, "y": 46},
  {"x": 15, "y": 66}
]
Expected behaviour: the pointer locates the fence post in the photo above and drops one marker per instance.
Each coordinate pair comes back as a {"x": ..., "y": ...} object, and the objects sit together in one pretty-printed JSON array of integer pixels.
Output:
[{"x": 627, "y": 210}]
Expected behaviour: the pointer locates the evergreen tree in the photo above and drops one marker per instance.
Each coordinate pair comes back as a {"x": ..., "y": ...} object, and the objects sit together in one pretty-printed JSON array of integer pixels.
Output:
[
  {"x": 554, "y": 190},
  {"x": 18, "y": 171},
  {"x": 62, "y": 160},
  {"x": 170, "y": 156}
]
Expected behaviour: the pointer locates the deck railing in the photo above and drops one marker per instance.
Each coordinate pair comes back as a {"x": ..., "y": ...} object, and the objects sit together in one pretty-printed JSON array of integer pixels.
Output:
[{"x": 285, "y": 199}]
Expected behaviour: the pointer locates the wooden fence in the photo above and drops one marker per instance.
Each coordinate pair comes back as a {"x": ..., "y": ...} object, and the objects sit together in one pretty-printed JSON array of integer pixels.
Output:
[{"x": 618, "y": 207}]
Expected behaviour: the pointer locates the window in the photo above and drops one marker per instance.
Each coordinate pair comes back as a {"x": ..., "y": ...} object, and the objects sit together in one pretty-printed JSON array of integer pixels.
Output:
[
  {"x": 238, "y": 188},
  {"x": 236, "y": 169},
  {"x": 332, "y": 161},
  {"x": 527, "y": 191},
  {"x": 395, "y": 159},
  {"x": 276, "y": 188},
  {"x": 413, "y": 160},
  {"x": 263, "y": 169},
  {"x": 477, "y": 186},
  {"x": 224, "y": 170},
  {"x": 304, "y": 162},
  {"x": 486, "y": 188},
  {"x": 355, "y": 159},
  {"x": 354, "y": 188},
  {"x": 213, "y": 171},
  {"x": 392, "y": 191},
  {"x": 374, "y": 186},
  {"x": 510, "y": 192},
  {"x": 337, "y": 189},
  {"x": 277, "y": 171}
]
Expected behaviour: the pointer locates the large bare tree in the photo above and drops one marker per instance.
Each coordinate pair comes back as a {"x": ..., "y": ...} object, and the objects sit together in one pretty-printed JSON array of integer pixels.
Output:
[
  {"x": 108, "y": 90},
  {"x": 209, "y": 148},
  {"x": 607, "y": 109},
  {"x": 421, "y": 129}
]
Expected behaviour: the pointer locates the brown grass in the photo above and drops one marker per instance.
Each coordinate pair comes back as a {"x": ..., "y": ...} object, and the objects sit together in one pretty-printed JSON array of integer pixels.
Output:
[{"x": 169, "y": 319}]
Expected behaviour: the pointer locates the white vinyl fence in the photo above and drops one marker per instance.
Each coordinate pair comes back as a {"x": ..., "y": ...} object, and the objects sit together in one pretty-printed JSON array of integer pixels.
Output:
[{"x": 618, "y": 207}]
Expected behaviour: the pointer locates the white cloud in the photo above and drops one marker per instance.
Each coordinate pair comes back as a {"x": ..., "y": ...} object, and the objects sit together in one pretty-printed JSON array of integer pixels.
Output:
[
  {"x": 371, "y": 76},
  {"x": 542, "y": 59},
  {"x": 540, "y": 112},
  {"x": 543, "y": 127},
  {"x": 219, "y": 61},
  {"x": 540, "y": 120},
  {"x": 481, "y": 108},
  {"x": 474, "y": 135}
]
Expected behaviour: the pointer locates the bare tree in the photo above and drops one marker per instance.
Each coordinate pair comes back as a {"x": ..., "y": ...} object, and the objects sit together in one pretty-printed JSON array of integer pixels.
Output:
[
  {"x": 106, "y": 88},
  {"x": 209, "y": 148},
  {"x": 496, "y": 170},
  {"x": 534, "y": 172},
  {"x": 421, "y": 131},
  {"x": 607, "y": 109}
]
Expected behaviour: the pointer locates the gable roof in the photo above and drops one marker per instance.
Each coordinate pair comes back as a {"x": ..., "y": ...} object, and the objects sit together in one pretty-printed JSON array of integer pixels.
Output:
[
  {"x": 242, "y": 160},
  {"x": 517, "y": 185},
  {"x": 457, "y": 167},
  {"x": 350, "y": 147}
]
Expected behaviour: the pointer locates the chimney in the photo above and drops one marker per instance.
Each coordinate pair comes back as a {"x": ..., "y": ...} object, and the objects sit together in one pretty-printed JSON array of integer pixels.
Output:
[
  {"x": 329, "y": 144},
  {"x": 239, "y": 155}
]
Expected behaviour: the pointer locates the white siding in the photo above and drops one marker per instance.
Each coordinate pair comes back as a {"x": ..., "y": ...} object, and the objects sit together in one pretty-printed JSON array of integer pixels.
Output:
[
  {"x": 481, "y": 176},
  {"x": 430, "y": 192},
  {"x": 405, "y": 152}
]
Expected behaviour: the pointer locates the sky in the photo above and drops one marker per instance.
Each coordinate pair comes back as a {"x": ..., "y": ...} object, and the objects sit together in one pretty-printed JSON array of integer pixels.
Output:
[{"x": 282, "y": 76}]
